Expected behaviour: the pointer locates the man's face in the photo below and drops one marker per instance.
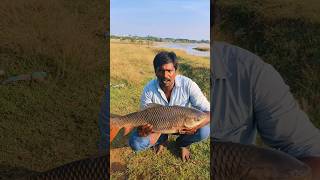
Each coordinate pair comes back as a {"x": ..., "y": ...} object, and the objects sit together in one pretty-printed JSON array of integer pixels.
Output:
[{"x": 166, "y": 75}]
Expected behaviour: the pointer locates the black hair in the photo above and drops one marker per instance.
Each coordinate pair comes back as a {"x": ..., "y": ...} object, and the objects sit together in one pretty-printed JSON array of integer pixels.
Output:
[{"x": 165, "y": 57}]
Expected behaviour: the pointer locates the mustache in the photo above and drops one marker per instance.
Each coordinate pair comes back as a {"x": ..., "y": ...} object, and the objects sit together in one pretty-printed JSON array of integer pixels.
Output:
[{"x": 162, "y": 79}]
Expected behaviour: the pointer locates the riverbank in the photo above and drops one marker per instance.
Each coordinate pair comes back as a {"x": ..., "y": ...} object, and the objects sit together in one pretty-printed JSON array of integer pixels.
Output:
[{"x": 189, "y": 48}]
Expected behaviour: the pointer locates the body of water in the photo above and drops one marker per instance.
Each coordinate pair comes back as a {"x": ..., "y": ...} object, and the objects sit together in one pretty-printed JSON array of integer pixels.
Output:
[{"x": 187, "y": 47}]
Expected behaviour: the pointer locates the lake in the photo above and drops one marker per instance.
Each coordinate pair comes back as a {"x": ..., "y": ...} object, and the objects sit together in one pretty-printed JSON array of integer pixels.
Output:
[{"x": 187, "y": 47}]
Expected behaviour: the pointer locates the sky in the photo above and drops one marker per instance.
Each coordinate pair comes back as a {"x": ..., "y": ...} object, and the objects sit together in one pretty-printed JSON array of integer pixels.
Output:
[{"x": 188, "y": 19}]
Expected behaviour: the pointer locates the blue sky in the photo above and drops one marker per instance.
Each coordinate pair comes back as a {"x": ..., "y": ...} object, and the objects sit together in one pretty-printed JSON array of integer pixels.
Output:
[{"x": 188, "y": 19}]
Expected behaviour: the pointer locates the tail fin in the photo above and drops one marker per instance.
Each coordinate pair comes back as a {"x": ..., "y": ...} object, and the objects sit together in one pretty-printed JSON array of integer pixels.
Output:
[{"x": 114, "y": 128}]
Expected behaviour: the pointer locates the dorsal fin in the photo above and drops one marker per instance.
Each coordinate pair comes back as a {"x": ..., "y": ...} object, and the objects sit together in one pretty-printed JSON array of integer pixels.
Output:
[{"x": 150, "y": 105}]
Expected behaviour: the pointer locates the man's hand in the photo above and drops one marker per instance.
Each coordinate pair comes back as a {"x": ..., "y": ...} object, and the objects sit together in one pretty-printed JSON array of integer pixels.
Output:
[
  {"x": 188, "y": 131},
  {"x": 193, "y": 130},
  {"x": 145, "y": 130}
]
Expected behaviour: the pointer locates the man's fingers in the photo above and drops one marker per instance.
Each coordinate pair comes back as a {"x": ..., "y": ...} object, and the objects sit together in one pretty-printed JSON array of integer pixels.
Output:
[
  {"x": 148, "y": 125},
  {"x": 181, "y": 131},
  {"x": 185, "y": 154},
  {"x": 186, "y": 158},
  {"x": 145, "y": 130},
  {"x": 188, "y": 131}
]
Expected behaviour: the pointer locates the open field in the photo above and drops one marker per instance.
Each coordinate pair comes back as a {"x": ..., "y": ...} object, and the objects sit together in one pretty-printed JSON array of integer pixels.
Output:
[{"x": 131, "y": 68}]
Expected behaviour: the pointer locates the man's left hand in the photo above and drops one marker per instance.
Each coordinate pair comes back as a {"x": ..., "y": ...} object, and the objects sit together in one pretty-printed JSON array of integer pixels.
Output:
[
  {"x": 188, "y": 131},
  {"x": 193, "y": 130}
]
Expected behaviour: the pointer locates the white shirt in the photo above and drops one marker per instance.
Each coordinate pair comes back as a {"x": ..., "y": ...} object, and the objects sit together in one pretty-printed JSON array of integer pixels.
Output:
[{"x": 185, "y": 93}]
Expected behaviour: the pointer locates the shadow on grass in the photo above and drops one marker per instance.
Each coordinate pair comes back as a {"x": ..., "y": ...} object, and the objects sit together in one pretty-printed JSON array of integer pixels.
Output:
[{"x": 172, "y": 148}]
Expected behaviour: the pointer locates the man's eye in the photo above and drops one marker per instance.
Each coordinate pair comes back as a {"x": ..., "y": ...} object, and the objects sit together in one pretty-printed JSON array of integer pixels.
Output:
[{"x": 169, "y": 71}]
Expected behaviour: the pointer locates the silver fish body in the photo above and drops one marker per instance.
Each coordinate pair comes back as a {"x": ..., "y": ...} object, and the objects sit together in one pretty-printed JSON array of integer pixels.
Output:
[{"x": 164, "y": 119}]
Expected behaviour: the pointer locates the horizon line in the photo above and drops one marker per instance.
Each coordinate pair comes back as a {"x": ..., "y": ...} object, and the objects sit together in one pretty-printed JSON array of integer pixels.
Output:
[{"x": 159, "y": 37}]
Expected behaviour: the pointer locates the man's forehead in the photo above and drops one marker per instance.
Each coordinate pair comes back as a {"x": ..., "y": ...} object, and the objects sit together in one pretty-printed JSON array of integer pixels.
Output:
[{"x": 168, "y": 66}]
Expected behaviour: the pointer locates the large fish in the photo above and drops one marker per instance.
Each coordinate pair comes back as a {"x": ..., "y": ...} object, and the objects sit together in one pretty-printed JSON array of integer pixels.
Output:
[
  {"x": 164, "y": 119},
  {"x": 247, "y": 162}
]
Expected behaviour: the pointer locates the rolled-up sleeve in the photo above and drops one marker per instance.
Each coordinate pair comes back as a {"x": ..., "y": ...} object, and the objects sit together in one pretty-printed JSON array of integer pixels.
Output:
[
  {"x": 280, "y": 121},
  {"x": 197, "y": 98}
]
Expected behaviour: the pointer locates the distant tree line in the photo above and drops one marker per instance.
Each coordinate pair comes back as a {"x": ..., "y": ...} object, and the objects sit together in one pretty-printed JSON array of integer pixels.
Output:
[{"x": 156, "y": 39}]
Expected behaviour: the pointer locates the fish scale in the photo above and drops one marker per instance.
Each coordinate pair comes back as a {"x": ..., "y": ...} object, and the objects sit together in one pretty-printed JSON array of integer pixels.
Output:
[
  {"x": 229, "y": 161},
  {"x": 164, "y": 119},
  {"x": 161, "y": 117},
  {"x": 86, "y": 169},
  {"x": 248, "y": 162}
]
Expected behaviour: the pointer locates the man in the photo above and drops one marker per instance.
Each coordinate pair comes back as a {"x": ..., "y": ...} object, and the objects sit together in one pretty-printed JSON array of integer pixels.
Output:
[
  {"x": 170, "y": 89},
  {"x": 249, "y": 95}
]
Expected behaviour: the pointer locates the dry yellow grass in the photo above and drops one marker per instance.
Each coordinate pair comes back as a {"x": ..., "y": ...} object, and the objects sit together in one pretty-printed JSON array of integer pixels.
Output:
[
  {"x": 130, "y": 62},
  {"x": 133, "y": 62}
]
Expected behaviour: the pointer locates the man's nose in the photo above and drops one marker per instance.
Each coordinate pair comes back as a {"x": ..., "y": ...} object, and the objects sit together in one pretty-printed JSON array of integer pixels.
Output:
[{"x": 166, "y": 74}]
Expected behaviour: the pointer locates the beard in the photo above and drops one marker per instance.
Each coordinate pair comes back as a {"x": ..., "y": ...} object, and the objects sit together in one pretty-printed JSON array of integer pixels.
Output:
[{"x": 165, "y": 82}]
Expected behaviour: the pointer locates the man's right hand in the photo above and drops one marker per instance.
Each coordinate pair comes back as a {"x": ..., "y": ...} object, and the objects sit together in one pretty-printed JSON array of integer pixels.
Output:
[{"x": 145, "y": 130}]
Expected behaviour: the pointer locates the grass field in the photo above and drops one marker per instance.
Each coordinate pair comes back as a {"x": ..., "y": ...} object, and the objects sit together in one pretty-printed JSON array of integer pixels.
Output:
[
  {"x": 285, "y": 34},
  {"x": 48, "y": 124},
  {"x": 131, "y": 68}
]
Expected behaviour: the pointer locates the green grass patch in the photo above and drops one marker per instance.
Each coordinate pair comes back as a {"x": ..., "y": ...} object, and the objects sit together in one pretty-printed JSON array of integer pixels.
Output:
[
  {"x": 51, "y": 123},
  {"x": 168, "y": 165}
]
